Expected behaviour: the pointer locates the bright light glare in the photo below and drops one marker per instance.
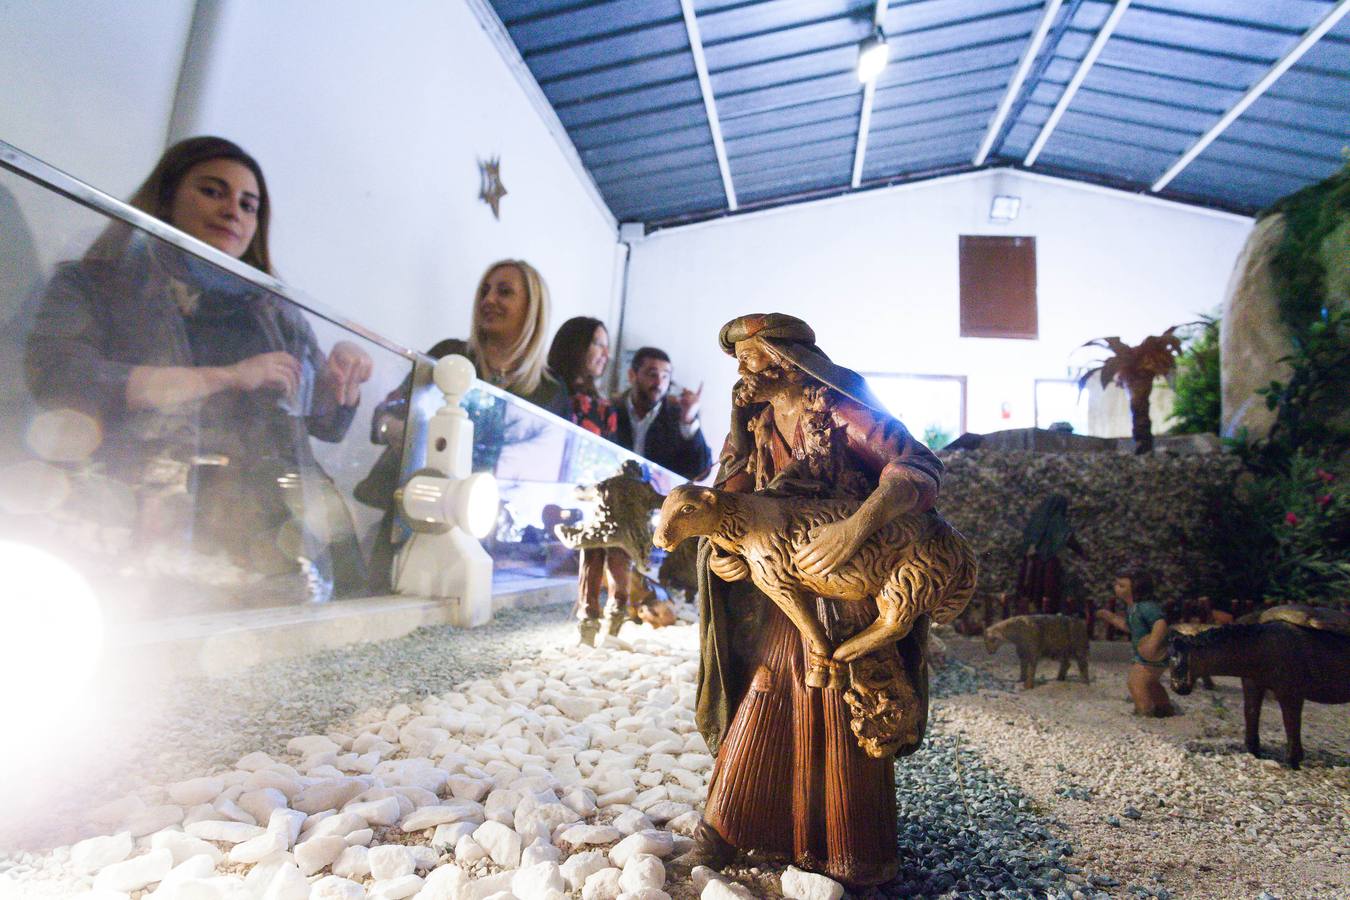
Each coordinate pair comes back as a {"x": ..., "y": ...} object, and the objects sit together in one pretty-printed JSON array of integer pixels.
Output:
[
  {"x": 476, "y": 504},
  {"x": 1004, "y": 208},
  {"x": 53, "y": 635},
  {"x": 873, "y": 54}
]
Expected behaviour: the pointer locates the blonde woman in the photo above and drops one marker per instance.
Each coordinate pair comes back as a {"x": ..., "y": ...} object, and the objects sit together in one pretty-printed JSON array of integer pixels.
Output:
[{"x": 508, "y": 338}]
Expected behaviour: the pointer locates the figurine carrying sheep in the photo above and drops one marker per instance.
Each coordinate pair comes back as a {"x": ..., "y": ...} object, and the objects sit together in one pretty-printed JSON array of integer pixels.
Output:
[{"x": 913, "y": 565}]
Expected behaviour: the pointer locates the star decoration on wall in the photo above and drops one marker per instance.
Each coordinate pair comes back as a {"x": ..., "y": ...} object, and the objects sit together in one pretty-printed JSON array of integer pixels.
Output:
[{"x": 492, "y": 190}]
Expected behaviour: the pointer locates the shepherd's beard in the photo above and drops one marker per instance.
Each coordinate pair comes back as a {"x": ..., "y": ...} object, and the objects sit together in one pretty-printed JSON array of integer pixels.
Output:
[{"x": 757, "y": 387}]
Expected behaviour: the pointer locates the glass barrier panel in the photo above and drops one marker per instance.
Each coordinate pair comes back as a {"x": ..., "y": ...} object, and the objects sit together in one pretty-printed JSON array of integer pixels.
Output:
[
  {"x": 187, "y": 439},
  {"x": 543, "y": 464}
]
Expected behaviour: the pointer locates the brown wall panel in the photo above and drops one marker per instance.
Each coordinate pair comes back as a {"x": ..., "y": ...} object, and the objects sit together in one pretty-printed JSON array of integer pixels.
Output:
[{"x": 998, "y": 287}]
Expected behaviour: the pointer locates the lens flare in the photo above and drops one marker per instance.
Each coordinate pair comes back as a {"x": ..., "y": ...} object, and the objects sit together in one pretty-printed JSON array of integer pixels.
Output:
[{"x": 52, "y": 636}]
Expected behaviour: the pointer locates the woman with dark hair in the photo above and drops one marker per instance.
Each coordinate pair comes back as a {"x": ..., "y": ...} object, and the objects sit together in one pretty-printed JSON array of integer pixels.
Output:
[
  {"x": 199, "y": 376},
  {"x": 578, "y": 355}
]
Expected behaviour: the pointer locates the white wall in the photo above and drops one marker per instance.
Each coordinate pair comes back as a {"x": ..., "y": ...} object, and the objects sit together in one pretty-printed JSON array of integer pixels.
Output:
[
  {"x": 88, "y": 86},
  {"x": 876, "y": 275},
  {"x": 369, "y": 120}
]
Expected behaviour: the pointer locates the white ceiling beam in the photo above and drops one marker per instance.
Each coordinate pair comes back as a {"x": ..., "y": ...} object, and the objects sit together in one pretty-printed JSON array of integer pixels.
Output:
[
  {"x": 869, "y": 94},
  {"x": 709, "y": 103},
  {"x": 1305, "y": 44},
  {"x": 1015, "y": 86},
  {"x": 1076, "y": 82}
]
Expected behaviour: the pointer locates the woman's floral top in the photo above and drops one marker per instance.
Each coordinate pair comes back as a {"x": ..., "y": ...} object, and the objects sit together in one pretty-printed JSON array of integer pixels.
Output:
[{"x": 595, "y": 414}]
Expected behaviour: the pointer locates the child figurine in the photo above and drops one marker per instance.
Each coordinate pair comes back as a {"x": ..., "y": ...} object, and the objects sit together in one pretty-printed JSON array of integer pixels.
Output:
[{"x": 1146, "y": 625}]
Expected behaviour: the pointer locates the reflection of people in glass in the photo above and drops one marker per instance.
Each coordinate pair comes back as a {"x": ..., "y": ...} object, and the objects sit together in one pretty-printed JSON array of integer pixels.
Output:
[
  {"x": 508, "y": 334},
  {"x": 506, "y": 344},
  {"x": 658, "y": 426},
  {"x": 578, "y": 356},
  {"x": 186, "y": 368}
]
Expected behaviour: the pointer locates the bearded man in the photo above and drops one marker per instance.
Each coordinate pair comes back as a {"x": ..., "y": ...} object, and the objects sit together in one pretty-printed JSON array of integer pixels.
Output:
[{"x": 790, "y": 775}]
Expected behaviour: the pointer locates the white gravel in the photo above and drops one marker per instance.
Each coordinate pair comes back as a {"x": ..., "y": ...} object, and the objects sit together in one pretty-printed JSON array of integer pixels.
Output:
[{"x": 507, "y": 762}]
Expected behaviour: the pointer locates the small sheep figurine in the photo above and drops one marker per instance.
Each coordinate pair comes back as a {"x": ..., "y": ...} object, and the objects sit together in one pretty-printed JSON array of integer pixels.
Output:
[
  {"x": 913, "y": 565},
  {"x": 1038, "y": 637}
]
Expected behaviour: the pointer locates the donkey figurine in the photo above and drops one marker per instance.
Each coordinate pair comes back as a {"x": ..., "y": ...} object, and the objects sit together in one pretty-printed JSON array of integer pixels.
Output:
[{"x": 1295, "y": 663}]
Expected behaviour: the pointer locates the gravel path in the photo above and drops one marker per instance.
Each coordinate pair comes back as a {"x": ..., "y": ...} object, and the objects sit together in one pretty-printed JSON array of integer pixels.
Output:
[{"x": 1173, "y": 801}]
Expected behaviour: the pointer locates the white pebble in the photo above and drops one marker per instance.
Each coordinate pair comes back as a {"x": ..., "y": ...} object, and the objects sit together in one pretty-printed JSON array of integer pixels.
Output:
[
  {"x": 340, "y": 825},
  {"x": 225, "y": 832},
  {"x": 155, "y": 818},
  {"x": 255, "y": 761},
  {"x": 632, "y": 821},
  {"x": 659, "y": 844},
  {"x": 191, "y": 869},
  {"x": 396, "y": 888},
  {"x": 286, "y": 822},
  {"x": 266, "y": 779},
  {"x": 468, "y": 851},
  {"x": 184, "y": 846},
  {"x": 449, "y": 835},
  {"x": 354, "y": 862},
  {"x": 582, "y": 865},
  {"x": 310, "y": 744},
  {"x": 260, "y": 803},
  {"x": 228, "y": 809},
  {"x": 717, "y": 889},
  {"x": 331, "y": 793},
  {"x": 537, "y": 881},
  {"x": 135, "y": 873},
  {"x": 332, "y": 887},
  {"x": 432, "y": 816},
  {"x": 447, "y": 882},
  {"x": 501, "y": 843},
  {"x": 318, "y": 853},
  {"x": 87, "y": 857},
  {"x": 196, "y": 790},
  {"x": 800, "y": 885},
  {"x": 259, "y": 848},
  {"x": 602, "y": 885},
  {"x": 642, "y": 871},
  {"x": 390, "y": 861},
  {"x": 579, "y": 835},
  {"x": 686, "y": 823},
  {"x": 287, "y": 884},
  {"x": 376, "y": 812},
  {"x": 539, "y": 852}
]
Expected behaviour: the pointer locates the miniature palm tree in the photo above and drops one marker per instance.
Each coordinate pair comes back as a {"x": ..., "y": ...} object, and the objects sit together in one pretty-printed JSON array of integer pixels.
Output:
[{"x": 1134, "y": 369}]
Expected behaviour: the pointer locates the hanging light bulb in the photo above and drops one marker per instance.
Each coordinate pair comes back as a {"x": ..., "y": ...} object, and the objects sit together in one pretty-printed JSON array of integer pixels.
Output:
[{"x": 873, "y": 54}]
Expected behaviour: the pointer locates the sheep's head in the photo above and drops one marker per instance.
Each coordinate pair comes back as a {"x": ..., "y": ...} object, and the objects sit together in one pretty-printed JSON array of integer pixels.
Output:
[
  {"x": 688, "y": 511},
  {"x": 993, "y": 637}
]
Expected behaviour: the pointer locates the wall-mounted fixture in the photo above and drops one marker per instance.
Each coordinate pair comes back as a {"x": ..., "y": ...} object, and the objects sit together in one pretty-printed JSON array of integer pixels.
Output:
[
  {"x": 873, "y": 54},
  {"x": 1004, "y": 208},
  {"x": 449, "y": 508}
]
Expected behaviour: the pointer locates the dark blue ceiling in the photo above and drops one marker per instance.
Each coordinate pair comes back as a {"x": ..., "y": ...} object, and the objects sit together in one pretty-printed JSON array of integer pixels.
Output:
[{"x": 622, "y": 78}]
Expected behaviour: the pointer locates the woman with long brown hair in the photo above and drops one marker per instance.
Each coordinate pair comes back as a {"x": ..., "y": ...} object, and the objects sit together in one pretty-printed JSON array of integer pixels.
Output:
[
  {"x": 579, "y": 355},
  {"x": 186, "y": 368}
]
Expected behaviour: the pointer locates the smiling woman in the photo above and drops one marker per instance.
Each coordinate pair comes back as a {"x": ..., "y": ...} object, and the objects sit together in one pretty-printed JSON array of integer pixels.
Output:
[{"x": 202, "y": 378}]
